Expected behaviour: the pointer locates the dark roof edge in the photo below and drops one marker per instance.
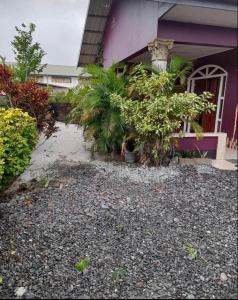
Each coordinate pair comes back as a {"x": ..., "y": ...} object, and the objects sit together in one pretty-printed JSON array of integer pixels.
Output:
[{"x": 89, "y": 2}]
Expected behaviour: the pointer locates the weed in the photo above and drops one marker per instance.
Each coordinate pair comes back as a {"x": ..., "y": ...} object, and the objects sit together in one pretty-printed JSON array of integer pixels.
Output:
[
  {"x": 82, "y": 264},
  {"x": 192, "y": 252},
  {"x": 119, "y": 274}
]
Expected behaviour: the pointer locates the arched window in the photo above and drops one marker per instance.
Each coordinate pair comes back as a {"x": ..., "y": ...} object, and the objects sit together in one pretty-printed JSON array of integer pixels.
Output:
[{"x": 206, "y": 73}]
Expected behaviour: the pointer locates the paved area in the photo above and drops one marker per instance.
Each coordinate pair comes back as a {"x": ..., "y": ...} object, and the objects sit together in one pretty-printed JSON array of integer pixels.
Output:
[{"x": 66, "y": 145}]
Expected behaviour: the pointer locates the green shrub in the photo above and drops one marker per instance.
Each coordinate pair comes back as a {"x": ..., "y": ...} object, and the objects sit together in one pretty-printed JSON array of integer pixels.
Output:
[
  {"x": 154, "y": 111},
  {"x": 18, "y": 136},
  {"x": 1, "y": 160},
  {"x": 71, "y": 96},
  {"x": 96, "y": 113},
  {"x": 58, "y": 97}
]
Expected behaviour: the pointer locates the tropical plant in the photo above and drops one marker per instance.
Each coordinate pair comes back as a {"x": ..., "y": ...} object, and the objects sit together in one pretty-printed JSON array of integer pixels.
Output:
[
  {"x": 178, "y": 67},
  {"x": 99, "y": 116},
  {"x": 154, "y": 111},
  {"x": 71, "y": 96},
  {"x": 28, "y": 55},
  {"x": 18, "y": 136},
  {"x": 181, "y": 68}
]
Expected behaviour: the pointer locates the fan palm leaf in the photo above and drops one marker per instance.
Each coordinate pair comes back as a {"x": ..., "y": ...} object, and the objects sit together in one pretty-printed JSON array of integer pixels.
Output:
[{"x": 95, "y": 112}]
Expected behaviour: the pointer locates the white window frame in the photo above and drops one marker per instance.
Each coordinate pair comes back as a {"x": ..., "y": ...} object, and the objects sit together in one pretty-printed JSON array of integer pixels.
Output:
[{"x": 204, "y": 73}]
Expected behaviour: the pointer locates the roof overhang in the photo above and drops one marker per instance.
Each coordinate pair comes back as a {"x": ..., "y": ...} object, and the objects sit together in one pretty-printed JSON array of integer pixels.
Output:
[
  {"x": 222, "y": 13},
  {"x": 98, "y": 11},
  {"x": 214, "y": 4},
  {"x": 204, "y": 15},
  {"x": 191, "y": 52}
]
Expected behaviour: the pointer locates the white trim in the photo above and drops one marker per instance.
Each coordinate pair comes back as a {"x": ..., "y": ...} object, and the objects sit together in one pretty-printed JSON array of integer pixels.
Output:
[{"x": 209, "y": 74}]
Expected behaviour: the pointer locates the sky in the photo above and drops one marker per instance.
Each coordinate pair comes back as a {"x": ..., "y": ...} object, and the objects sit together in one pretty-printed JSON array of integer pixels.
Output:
[{"x": 59, "y": 27}]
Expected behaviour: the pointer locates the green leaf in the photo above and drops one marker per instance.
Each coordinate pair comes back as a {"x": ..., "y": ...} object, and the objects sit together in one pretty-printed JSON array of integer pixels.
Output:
[
  {"x": 191, "y": 250},
  {"x": 82, "y": 264},
  {"x": 119, "y": 274},
  {"x": 1, "y": 280}
]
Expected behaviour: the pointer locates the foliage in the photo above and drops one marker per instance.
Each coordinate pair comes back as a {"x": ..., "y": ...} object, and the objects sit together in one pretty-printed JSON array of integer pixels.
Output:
[
  {"x": 18, "y": 136},
  {"x": 58, "y": 97},
  {"x": 6, "y": 83},
  {"x": 191, "y": 250},
  {"x": 28, "y": 55},
  {"x": 1, "y": 280},
  {"x": 29, "y": 97},
  {"x": 155, "y": 112},
  {"x": 82, "y": 264},
  {"x": 99, "y": 116},
  {"x": 178, "y": 67},
  {"x": 71, "y": 96},
  {"x": 119, "y": 274},
  {"x": 1, "y": 159},
  {"x": 181, "y": 68}
]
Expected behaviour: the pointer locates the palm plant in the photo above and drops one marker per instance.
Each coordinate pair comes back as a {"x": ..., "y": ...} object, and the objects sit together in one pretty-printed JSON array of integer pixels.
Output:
[
  {"x": 96, "y": 113},
  {"x": 178, "y": 67},
  {"x": 181, "y": 68}
]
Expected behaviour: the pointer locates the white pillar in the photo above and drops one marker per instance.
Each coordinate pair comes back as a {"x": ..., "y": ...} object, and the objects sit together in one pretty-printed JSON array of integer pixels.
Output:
[{"x": 159, "y": 49}]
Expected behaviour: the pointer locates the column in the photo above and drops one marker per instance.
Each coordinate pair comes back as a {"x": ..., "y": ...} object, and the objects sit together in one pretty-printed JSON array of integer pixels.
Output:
[{"x": 159, "y": 49}]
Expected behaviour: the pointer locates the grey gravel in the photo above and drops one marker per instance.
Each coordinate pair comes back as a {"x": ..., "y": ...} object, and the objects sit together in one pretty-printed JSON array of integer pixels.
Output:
[
  {"x": 140, "y": 174},
  {"x": 137, "y": 221}
]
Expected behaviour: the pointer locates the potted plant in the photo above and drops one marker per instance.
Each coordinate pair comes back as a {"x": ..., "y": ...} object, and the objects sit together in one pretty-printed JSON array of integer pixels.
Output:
[{"x": 128, "y": 150}]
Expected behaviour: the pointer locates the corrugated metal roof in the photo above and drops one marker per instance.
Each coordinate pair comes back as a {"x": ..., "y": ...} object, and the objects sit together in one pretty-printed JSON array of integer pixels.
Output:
[
  {"x": 59, "y": 70},
  {"x": 98, "y": 12}
]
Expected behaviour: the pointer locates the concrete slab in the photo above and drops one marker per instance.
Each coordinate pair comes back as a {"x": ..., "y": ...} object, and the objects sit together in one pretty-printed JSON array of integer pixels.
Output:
[{"x": 66, "y": 145}]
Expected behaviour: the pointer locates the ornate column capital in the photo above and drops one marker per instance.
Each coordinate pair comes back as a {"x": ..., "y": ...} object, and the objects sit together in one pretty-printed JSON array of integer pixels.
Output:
[{"x": 160, "y": 48}]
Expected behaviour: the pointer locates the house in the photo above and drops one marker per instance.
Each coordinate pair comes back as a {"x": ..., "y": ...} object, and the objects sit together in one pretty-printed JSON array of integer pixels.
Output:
[
  {"x": 150, "y": 31},
  {"x": 60, "y": 78}
]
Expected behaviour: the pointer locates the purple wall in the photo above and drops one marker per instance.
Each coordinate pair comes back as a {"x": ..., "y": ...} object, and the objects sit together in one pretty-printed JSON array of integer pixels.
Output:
[
  {"x": 228, "y": 61},
  {"x": 204, "y": 144},
  {"x": 197, "y": 34},
  {"x": 131, "y": 25}
]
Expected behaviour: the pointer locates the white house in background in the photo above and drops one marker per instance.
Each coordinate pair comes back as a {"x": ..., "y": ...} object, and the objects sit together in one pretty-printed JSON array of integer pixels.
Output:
[{"x": 61, "y": 78}]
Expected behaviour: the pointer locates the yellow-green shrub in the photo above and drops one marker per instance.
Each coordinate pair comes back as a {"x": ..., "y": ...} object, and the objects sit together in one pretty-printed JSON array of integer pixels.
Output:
[
  {"x": 1, "y": 160},
  {"x": 18, "y": 136}
]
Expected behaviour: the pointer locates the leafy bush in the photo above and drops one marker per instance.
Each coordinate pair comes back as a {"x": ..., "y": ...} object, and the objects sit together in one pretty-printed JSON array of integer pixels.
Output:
[
  {"x": 34, "y": 100},
  {"x": 18, "y": 136},
  {"x": 71, "y": 96},
  {"x": 29, "y": 97},
  {"x": 1, "y": 160},
  {"x": 155, "y": 112},
  {"x": 99, "y": 116},
  {"x": 59, "y": 97}
]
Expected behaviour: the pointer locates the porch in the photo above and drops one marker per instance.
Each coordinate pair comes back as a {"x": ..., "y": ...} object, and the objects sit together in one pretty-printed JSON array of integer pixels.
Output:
[{"x": 214, "y": 59}]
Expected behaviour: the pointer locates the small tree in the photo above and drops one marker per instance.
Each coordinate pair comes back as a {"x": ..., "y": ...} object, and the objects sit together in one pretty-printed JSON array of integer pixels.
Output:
[
  {"x": 28, "y": 55},
  {"x": 154, "y": 112}
]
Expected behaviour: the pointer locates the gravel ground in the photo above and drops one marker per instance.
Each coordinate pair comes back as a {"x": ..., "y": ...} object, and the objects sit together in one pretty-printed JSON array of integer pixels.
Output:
[{"x": 134, "y": 224}]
